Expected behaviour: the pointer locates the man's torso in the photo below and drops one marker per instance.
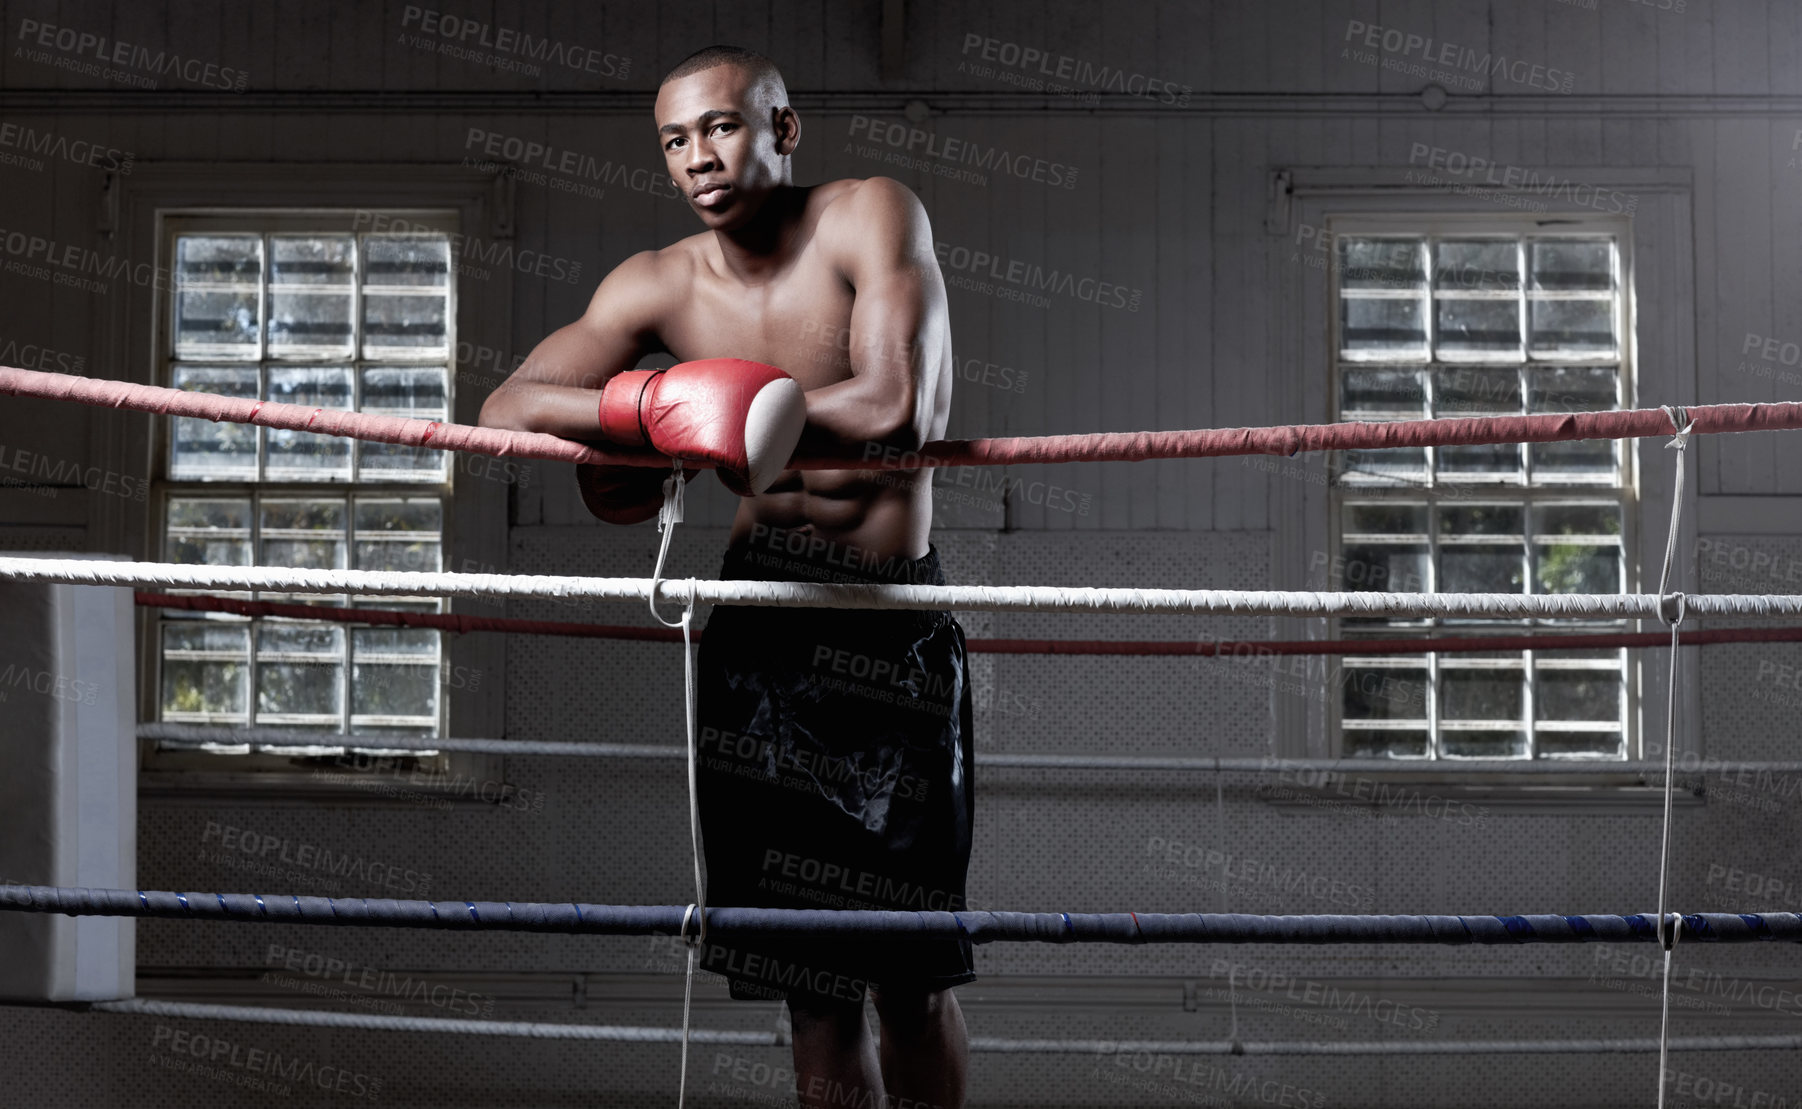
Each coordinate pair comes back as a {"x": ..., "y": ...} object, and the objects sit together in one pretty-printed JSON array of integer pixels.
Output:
[{"x": 798, "y": 317}]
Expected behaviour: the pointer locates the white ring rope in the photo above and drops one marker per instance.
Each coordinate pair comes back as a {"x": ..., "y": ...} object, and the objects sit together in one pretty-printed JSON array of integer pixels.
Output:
[
  {"x": 1333, "y": 770},
  {"x": 970, "y": 598},
  {"x": 383, "y": 1022}
]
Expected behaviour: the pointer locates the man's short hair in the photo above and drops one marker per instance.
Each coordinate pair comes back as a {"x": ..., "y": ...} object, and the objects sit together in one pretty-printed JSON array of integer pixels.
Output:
[{"x": 766, "y": 79}]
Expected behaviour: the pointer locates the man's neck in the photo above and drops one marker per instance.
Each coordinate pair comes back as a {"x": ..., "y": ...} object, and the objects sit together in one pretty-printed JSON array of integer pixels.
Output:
[{"x": 753, "y": 252}]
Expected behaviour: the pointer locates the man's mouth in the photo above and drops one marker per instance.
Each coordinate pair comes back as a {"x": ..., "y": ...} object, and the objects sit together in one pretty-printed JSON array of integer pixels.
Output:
[{"x": 711, "y": 192}]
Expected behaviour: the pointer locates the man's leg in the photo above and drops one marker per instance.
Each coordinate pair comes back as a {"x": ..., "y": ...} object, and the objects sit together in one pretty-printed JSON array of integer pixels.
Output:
[
  {"x": 835, "y": 1057},
  {"x": 925, "y": 1047}
]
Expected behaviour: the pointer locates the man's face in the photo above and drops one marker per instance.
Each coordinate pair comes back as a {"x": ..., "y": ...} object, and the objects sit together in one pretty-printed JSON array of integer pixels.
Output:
[{"x": 721, "y": 146}]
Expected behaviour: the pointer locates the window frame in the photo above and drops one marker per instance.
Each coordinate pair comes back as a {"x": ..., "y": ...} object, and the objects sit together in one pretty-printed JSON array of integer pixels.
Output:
[
  {"x": 1520, "y": 492},
  {"x": 134, "y": 211},
  {"x": 268, "y": 224},
  {"x": 1303, "y": 201}
]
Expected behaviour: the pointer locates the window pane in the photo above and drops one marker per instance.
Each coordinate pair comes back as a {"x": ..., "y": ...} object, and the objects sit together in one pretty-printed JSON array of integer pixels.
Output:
[
  {"x": 1575, "y": 389},
  {"x": 300, "y": 673},
  {"x": 304, "y": 534},
  {"x": 1382, "y": 263},
  {"x": 1572, "y": 327},
  {"x": 1589, "y": 745},
  {"x": 1577, "y": 568},
  {"x": 311, "y": 287},
  {"x": 1493, "y": 461},
  {"x": 406, "y": 297},
  {"x": 1384, "y": 326},
  {"x": 395, "y": 677},
  {"x": 1480, "y": 519},
  {"x": 204, "y": 450},
  {"x": 1577, "y": 519},
  {"x": 1590, "y": 560},
  {"x": 1581, "y": 695},
  {"x": 300, "y": 455},
  {"x": 1385, "y": 518},
  {"x": 419, "y": 394},
  {"x": 1385, "y": 568},
  {"x": 402, "y": 535},
  {"x": 1373, "y": 692},
  {"x": 1462, "y": 743},
  {"x": 1387, "y": 743},
  {"x": 1572, "y": 265},
  {"x": 209, "y": 531},
  {"x": 218, "y": 289},
  {"x": 1481, "y": 568},
  {"x": 1398, "y": 465},
  {"x": 1477, "y": 391},
  {"x": 1470, "y": 693},
  {"x": 1469, "y": 328},
  {"x": 1391, "y": 392},
  {"x": 206, "y": 671},
  {"x": 1477, "y": 265}
]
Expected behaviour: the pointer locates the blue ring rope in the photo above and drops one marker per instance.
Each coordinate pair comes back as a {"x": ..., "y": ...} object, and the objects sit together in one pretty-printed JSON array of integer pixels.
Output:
[{"x": 977, "y": 926}]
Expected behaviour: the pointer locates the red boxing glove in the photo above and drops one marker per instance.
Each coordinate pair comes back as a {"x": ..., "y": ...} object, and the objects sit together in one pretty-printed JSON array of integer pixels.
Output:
[
  {"x": 743, "y": 417},
  {"x": 624, "y": 494}
]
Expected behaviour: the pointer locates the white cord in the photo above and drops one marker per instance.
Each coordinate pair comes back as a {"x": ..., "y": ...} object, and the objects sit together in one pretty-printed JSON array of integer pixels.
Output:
[
  {"x": 667, "y": 518},
  {"x": 1680, "y": 421},
  {"x": 1664, "y": 1024}
]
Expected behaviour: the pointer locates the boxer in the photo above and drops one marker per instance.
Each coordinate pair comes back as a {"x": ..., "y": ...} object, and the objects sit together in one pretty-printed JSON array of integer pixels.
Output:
[{"x": 835, "y": 745}]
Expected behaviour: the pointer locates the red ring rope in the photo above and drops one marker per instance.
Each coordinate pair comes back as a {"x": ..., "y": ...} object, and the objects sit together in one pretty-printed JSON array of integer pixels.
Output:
[
  {"x": 1125, "y": 446},
  {"x": 463, "y": 623}
]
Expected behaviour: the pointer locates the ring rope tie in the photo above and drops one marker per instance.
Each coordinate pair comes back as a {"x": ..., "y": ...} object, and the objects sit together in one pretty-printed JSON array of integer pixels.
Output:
[{"x": 1683, "y": 425}]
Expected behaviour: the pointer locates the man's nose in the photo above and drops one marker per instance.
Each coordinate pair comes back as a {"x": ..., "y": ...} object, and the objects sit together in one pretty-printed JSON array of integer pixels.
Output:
[{"x": 701, "y": 157}]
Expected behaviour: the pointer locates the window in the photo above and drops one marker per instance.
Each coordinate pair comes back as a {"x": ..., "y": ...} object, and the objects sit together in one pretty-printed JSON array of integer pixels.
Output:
[
  {"x": 303, "y": 309},
  {"x": 1463, "y": 323}
]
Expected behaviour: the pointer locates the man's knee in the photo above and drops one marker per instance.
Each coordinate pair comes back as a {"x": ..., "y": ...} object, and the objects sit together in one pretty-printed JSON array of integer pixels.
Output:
[
  {"x": 811, "y": 1014},
  {"x": 902, "y": 1008}
]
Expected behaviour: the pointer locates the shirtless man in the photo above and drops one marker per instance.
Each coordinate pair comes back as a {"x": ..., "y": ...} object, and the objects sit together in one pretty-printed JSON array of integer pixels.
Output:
[{"x": 835, "y": 744}]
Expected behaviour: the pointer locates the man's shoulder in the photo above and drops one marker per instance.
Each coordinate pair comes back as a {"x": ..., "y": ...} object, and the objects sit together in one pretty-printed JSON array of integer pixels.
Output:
[
  {"x": 649, "y": 277},
  {"x": 854, "y": 195},
  {"x": 663, "y": 263},
  {"x": 864, "y": 217}
]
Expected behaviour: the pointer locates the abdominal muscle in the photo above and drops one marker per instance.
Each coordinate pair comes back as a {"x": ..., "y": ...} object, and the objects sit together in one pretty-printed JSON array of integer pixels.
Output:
[{"x": 868, "y": 514}]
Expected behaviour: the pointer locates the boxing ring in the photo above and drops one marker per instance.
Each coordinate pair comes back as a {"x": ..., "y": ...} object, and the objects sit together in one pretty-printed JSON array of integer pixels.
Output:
[{"x": 697, "y": 921}]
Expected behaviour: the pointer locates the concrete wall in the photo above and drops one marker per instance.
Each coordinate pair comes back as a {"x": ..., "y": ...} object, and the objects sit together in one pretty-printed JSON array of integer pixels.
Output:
[{"x": 1190, "y": 201}]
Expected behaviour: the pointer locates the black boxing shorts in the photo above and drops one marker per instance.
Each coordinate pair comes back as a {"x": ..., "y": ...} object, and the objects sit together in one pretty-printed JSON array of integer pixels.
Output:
[{"x": 834, "y": 772}]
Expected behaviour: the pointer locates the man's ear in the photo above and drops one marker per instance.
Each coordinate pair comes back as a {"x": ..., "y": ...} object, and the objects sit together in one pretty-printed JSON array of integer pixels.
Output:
[{"x": 787, "y": 127}]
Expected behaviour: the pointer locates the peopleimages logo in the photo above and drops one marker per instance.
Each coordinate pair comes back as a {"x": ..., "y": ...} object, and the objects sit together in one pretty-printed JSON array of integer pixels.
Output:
[
  {"x": 78, "y": 46},
  {"x": 1035, "y": 64},
  {"x": 902, "y": 137},
  {"x": 1430, "y": 52},
  {"x": 1034, "y": 278}
]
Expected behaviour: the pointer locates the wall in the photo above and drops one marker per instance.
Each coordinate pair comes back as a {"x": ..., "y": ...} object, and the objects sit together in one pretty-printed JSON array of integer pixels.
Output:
[{"x": 1175, "y": 199}]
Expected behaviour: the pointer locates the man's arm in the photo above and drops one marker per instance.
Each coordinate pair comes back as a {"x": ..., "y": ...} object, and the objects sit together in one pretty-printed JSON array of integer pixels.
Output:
[
  {"x": 555, "y": 389},
  {"x": 900, "y": 330}
]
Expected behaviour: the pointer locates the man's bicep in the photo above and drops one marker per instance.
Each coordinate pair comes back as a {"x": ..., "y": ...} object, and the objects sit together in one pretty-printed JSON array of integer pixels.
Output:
[
  {"x": 618, "y": 329},
  {"x": 898, "y": 316}
]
